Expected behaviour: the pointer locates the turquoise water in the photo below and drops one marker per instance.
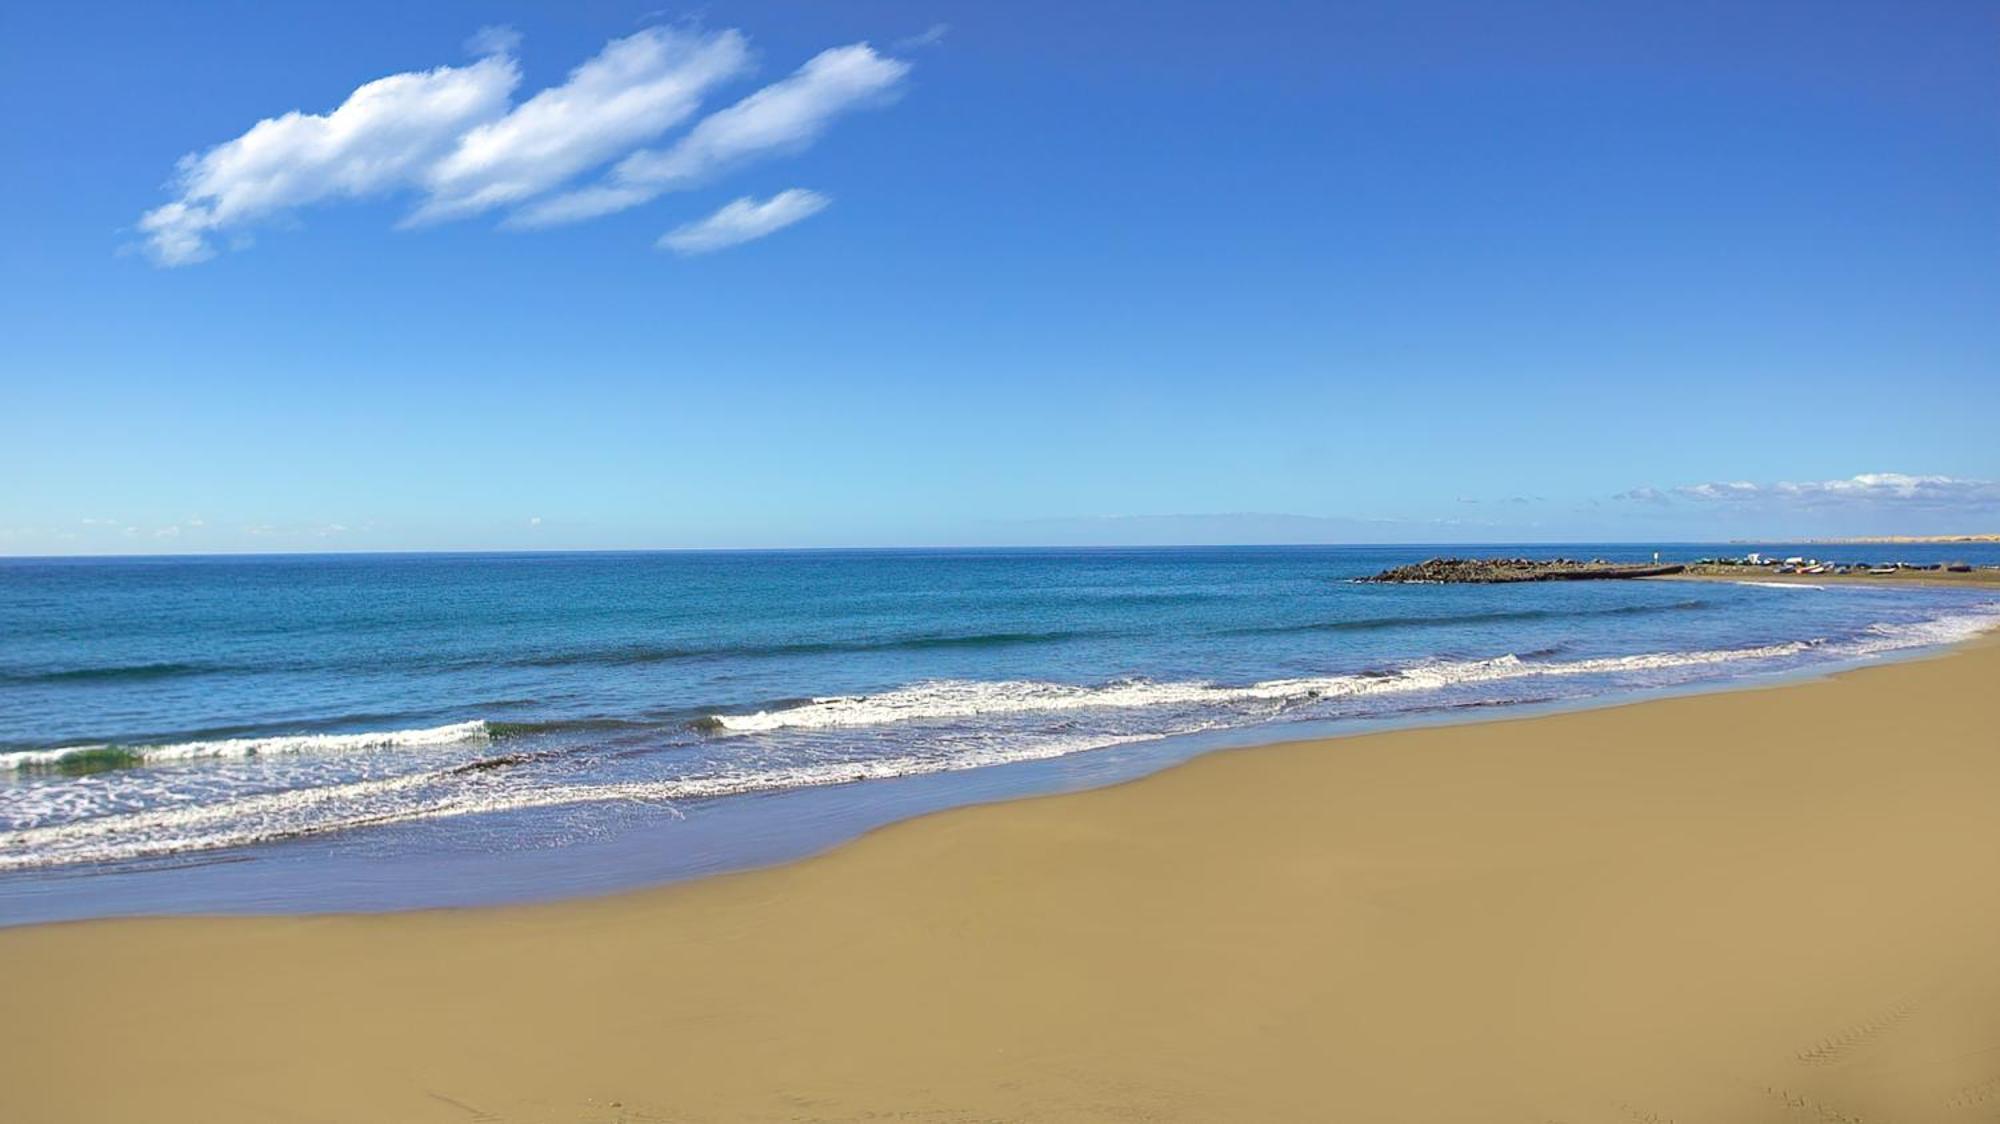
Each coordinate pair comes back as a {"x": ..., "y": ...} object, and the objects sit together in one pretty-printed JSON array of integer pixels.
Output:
[{"x": 196, "y": 733}]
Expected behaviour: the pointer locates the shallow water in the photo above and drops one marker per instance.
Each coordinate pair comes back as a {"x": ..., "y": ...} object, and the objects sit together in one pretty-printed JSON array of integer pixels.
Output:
[{"x": 185, "y": 733}]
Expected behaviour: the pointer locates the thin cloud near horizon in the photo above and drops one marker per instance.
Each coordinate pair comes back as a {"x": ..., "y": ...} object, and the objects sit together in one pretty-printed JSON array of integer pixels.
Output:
[
  {"x": 1868, "y": 489},
  {"x": 454, "y": 137},
  {"x": 1868, "y": 503}
]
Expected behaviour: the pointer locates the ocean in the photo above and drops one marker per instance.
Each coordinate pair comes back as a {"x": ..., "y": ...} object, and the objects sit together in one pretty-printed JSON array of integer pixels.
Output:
[{"x": 390, "y": 731}]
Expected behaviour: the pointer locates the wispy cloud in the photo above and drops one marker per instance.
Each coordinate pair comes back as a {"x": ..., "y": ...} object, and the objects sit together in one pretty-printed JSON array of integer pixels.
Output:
[
  {"x": 632, "y": 91},
  {"x": 785, "y": 116},
  {"x": 493, "y": 39},
  {"x": 744, "y": 220},
  {"x": 134, "y": 530},
  {"x": 1871, "y": 489},
  {"x": 381, "y": 138},
  {"x": 454, "y": 137},
  {"x": 299, "y": 530},
  {"x": 929, "y": 37}
]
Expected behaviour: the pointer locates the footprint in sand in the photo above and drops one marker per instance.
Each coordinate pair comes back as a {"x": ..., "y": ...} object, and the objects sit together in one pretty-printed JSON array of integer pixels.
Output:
[{"x": 1830, "y": 1050}]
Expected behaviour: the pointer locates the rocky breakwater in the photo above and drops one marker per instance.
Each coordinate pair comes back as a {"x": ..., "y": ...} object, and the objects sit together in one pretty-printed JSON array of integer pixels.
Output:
[{"x": 1494, "y": 571}]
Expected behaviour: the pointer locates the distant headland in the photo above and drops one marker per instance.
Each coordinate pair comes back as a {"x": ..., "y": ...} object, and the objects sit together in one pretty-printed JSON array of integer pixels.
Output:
[{"x": 1888, "y": 539}]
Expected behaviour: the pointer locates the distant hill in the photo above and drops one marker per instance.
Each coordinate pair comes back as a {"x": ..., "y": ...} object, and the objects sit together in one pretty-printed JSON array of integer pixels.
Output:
[{"x": 1910, "y": 539}]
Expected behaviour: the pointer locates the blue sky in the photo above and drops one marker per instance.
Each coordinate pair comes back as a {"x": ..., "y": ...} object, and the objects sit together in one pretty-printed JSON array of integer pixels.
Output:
[{"x": 878, "y": 274}]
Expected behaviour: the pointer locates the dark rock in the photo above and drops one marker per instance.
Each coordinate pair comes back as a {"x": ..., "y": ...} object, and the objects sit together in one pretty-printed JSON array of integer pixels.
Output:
[{"x": 1491, "y": 571}]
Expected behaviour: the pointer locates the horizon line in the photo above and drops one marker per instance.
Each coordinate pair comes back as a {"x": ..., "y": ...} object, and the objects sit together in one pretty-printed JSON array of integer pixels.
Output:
[{"x": 1925, "y": 540}]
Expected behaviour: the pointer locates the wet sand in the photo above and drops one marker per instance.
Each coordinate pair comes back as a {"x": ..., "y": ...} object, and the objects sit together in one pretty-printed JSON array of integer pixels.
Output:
[{"x": 1764, "y": 905}]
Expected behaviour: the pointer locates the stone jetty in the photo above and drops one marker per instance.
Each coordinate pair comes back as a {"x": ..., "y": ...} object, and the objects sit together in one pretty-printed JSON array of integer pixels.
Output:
[{"x": 1493, "y": 571}]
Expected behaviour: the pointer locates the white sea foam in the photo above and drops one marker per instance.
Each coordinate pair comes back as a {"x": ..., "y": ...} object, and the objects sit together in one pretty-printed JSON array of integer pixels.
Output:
[
  {"x": 293, "y": 814},
  {"x": 455, "y": 733},
  {"x": 957, "y": 698},
  {"x": 1781, "y": 585},
  {"x": 1177, "y": 708},
  {"x": 1953, "y": 629},
  {"x": 954, "y": 698}
]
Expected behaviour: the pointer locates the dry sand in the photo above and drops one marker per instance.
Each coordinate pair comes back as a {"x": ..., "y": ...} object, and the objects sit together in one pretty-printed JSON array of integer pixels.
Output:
[{"x": 1767, "y": 905}]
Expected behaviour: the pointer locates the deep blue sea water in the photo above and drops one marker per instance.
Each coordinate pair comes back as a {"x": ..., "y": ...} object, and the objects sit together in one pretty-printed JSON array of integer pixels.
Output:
[{"x": 384, "y": 731}]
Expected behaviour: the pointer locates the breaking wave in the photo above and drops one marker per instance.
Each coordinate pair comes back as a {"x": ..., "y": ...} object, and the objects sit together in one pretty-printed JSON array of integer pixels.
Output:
[
  {"x": 958, "y": 698},
  {"x": 93, "y": 758},
  {"x": 1085, "y": 717},
  {"x": 298, "y": 813}
]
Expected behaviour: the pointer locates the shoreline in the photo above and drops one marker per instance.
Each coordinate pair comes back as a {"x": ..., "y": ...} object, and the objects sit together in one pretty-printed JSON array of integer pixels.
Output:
[
  {"x": 1721, "y": 905},
  {"x": 299, "y": 857}
]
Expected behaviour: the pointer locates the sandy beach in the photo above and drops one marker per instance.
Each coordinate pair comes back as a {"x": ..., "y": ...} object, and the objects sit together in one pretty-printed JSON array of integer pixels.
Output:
[
  {"x": 1761, "y": 905},
  {"x": 832, "y": 563}
]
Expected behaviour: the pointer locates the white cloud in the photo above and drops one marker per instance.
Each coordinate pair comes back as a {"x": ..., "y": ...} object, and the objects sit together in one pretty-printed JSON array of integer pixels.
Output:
[
  {"x": 782, "y": 117},
  {"x": 378, "y": 139},
  {"x": 1887, "y": 489},
  {"x": 744, "y": 220},
  {"x": 1898, "y": 488},
  {"x": 929, "y": 37},
  {"x": 493, "y": 39},
  {"x": 1729, "y": 490},
  {"x": 630, "y": 92},
  {"x": 454, "y": 135}
]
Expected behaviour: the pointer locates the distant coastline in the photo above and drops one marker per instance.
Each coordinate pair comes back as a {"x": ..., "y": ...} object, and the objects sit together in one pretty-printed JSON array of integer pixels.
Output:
[{"x": 1882, "y": 539}]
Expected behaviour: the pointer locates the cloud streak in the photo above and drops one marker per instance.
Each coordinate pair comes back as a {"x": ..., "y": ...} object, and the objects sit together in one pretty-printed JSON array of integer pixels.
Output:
[
  {"x": 784, "y": 117},
  {"x": 454, "y": 138},
  {"x": 929, "y": 37},
  {"x": 1870, "y": 489},
  {"x": 744, "y": 220},
  {"x": 632, "y": 91}
]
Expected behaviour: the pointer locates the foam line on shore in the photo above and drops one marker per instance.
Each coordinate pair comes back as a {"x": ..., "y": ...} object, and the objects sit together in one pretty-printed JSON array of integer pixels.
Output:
[
  {"x": 947, "y": 699},
  {"x": 273, "y": 816},
  {"x": 494, "y": 785},
  {"x": 1781, "y": 585}
]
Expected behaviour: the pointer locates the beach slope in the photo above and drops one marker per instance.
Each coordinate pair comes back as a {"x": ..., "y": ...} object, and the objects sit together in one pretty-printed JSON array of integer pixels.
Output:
[{"x": 1765, "y": 905}]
